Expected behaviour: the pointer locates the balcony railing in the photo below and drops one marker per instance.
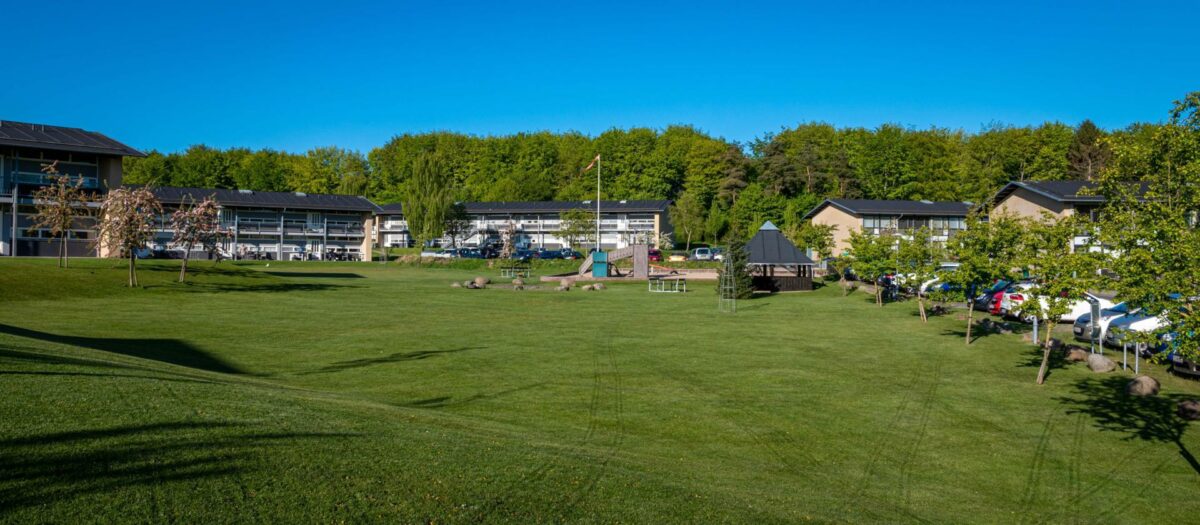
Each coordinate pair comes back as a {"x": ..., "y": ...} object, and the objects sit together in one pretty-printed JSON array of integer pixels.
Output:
[{"x": 41, "y": 179}]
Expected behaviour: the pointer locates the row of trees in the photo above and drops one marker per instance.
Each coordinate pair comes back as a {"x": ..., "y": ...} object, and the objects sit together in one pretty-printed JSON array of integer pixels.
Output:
[
  {"x": 718, "y": 186},
  {"x": 1145, "y": 245},
  {"x": 125, "y": 219}
]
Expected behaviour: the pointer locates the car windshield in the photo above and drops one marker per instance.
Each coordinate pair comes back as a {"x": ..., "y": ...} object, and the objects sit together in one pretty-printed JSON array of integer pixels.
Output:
[{"x": 1119, "y": 308}]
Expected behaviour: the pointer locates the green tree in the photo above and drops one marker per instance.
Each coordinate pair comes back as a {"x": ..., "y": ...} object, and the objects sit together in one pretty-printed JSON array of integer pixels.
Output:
[
  {"x": 1153, "y": 225},
  {"x": 986, "y": 251},
  {"x": 872, "y": 256},
  {"x": 1062, "y": 274},
  {"x": 427, "y": 199},
  {"x": 918, "y": 258},
  {"x": 687, "y": 215},
  {"x": 816, "y": 238},
  {"x": 1088, "y": 152},
  {"x": 738, "y": 262},
  {"x": 578, "y": 227}
]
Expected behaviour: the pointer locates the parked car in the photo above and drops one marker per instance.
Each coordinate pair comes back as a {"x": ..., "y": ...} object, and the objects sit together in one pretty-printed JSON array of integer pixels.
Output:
[
  {"x": 471, "y": 253},
  {"x": 987, "y": 300},
  {"x": 1080, "y": 306},
  {"x": 569, "y": 254},
  {"x": 702, "y": 254},
  {"x": 1014, "y": 296},
  {"x": 677, "y": 257},
  {"x": 1082, "y": 326},
  {"x": 718, "y": 254},
  {"x": 1181, "y": 365},
  {"x": 522, "y": 255},
  {"x": 656, "y": 255},
  {"x": 1118, "y": 329},
  {"x": 437, "y": 253},
  {"x": 545, "y": 254}
]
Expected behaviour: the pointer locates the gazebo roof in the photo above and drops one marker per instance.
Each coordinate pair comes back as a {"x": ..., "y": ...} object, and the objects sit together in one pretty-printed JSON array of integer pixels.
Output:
[{"x": 770, "y": 246}]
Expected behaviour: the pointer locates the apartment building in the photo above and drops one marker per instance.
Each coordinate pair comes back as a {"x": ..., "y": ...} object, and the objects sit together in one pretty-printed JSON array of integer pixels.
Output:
[
  {"x": 279, "y": 225},
  {"x": 86, "y": 156},
  {"x": 943, "y": 219},
  {"x": 539, "y": 224}
]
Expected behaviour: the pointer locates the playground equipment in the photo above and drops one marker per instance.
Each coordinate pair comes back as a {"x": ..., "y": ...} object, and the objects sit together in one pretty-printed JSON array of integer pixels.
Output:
[{"x": 599, "y": 264}]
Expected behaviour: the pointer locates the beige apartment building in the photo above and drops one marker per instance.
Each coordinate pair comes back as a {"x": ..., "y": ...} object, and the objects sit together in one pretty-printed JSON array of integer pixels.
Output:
[{"x": 942, "y": 219}]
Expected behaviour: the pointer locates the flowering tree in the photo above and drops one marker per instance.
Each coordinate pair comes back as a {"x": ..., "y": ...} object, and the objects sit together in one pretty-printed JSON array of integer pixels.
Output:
[
  {"x": 127, "y": 218},
  {"x": 58, "y": 206},
  {"x": 197, "y": 225}
]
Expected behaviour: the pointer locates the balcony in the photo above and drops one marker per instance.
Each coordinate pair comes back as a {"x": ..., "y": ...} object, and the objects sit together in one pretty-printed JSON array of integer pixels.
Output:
[{"x": 41, "y": 179}]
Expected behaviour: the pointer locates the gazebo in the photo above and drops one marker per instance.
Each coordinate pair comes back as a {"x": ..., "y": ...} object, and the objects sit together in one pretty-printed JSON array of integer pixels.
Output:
[{"x": 776, "y": 264}]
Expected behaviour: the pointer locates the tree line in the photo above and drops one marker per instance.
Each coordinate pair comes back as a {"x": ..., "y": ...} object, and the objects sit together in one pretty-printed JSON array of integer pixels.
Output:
[{"x": 718, "y": 186}]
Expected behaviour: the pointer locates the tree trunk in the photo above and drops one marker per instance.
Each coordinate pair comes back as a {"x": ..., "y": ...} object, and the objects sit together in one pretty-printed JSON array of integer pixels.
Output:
[
  {"x": 1041, "y": 378},
  {"x": 62, "y": 251},
  {"x": 921, "y": 306},
  {"x": 132, "y": 257},
  {"x": 1049, "y": 330},
  {"x": 183, "y": 267},
  {"x": 970, "y": 318}
]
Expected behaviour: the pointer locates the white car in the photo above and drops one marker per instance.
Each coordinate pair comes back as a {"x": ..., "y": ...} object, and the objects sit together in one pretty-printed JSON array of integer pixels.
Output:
[
  {"x": 702, "y": 254},
  {"x": 436, "y": 253},
  {"x": 1136, "y": 322},
  {"x": 1012, "y": 300},
  {"x": 1083, "y": 322},
  {"x": 1017, "y": 294}
]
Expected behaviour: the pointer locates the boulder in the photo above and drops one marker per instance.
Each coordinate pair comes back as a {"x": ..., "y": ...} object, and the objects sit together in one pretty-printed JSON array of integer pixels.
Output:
[
  {"x": 1189, "y": 409},
  {"x": 587, "y": 288},
  {"x": 1077, "y": 355},
  {"x": 1142, "y": 386},
  {"x": 561, "y": 288},
  {"x": 518, "y": 282},
  {"x": 1100, "y": 364},
  {"x": 987, "y": 325},
  {"x": 456, "y": 285},
  {"x": 518, "y": 287},
  {"x": 565, "y": 283},
  {"x": 598, "y": 286},
  {"x": 482, "y": 281},
  {"x": 467, "y": 284}
]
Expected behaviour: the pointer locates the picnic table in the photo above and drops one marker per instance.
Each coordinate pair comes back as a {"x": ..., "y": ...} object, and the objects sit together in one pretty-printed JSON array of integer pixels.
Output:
[
  {"x": 518, "y": 269},
  {"x": 667, "y": 284}
]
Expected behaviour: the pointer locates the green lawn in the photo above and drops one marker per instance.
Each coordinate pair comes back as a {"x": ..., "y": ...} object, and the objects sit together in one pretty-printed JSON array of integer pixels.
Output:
[{"x": 324, "y": 392}]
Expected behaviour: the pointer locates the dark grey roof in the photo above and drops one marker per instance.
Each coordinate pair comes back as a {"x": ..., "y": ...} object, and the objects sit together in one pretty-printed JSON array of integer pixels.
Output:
[
  {"x": 394, "y": 207},
  {"x": 62, "y": 139},
  {"x": 267, "y": 199},
  {"x": 894, "y": 207},
  {"x": 770, "y": 246},
  {"x": 1066, "y": 191},
  {"x": 561, "y": 206}
]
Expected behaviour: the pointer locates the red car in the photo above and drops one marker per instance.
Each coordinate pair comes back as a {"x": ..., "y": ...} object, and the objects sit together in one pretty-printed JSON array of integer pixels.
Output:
[{"x": 656, "y": 256}]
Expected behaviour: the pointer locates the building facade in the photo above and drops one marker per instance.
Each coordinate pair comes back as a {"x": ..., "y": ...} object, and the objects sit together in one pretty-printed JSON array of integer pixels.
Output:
[
  {"x": 540, "y": 224},
  {"x": 943, "y": 219},
  {"x": 279, "y": 225},
  {"x": 85, "y": 156}
]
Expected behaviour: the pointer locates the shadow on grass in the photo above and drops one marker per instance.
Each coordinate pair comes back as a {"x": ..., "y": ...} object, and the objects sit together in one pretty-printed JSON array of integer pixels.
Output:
[
  {"x": 398, "y": 357},
  {"x": 450, "y": 401},
  {"x": 43, "y": 469},
  {"x": 318, "y": 275},
  {"x": 1033, "y": 359},
  {"x": 171, "y": 351},
  {"x": 1149, "y": 418}
]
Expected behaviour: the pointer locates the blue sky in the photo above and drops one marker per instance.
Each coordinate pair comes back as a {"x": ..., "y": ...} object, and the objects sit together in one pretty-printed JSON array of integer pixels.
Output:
[{"x": 294, "y": 75}]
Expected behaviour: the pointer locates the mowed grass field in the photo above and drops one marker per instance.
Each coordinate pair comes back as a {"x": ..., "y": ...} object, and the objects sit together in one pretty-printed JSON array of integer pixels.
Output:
[{"x": 326, "y": 392}]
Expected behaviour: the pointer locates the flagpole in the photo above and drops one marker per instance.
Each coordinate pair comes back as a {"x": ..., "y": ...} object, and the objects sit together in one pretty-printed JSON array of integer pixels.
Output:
[{"x": 597, "y": 202}]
